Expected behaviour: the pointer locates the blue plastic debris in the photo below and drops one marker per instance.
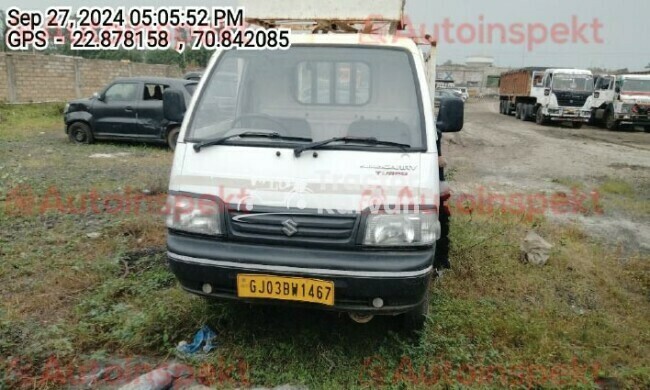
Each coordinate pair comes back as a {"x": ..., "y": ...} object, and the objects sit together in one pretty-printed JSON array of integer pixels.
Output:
[{"x": 202, "y": 341}]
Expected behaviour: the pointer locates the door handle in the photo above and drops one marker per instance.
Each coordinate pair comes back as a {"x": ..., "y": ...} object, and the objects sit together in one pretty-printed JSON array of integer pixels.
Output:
[{"x": 128, "y": 109}]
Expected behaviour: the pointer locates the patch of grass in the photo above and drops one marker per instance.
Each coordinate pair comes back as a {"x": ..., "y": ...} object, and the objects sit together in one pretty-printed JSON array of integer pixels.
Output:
[
  {"x": 617, "y": 187},
  {"x": 568, "y": 182},
  {"x": 18, "y": 121},
  {"x": 490, "y": 310}
]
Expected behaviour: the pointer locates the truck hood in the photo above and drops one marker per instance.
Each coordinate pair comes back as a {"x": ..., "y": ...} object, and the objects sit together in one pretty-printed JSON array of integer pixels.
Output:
[{"x": 247, "y": 177}]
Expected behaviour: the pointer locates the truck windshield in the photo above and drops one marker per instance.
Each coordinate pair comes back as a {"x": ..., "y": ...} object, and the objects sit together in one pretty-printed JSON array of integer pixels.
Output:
[
  {"x": 631, "y": 85},
  {"x": 312, "y": 92},
  {"x": 573, "y": 82}
]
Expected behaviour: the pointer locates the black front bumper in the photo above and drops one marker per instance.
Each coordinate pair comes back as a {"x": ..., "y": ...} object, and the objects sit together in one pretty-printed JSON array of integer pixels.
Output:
[{"x": 399, "y": 278}]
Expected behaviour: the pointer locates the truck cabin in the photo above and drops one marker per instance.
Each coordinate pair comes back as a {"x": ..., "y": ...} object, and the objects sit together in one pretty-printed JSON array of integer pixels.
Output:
[
  {"x": 569, "y": 80},
  {"x": 314, "y": 92},
  {"x": 633, "y": 85},
  {"x": 604, "y": 82}
]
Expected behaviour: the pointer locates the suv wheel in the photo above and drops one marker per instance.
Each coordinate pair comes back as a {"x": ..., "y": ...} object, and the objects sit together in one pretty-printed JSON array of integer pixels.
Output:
[
  {"x": 414, "y": 320},
  {"x": 172, "y": 137},
  {"x": 80, "y": 133}
]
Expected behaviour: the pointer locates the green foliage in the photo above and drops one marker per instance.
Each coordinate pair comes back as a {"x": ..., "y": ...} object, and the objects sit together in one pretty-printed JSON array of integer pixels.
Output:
[{"x": 189, "y": 58}]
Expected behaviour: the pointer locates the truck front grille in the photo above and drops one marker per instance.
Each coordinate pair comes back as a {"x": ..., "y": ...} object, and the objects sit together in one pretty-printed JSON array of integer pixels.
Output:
[
  {"x": 292, "y": 227},
  {"x": 565, "y": 99}
]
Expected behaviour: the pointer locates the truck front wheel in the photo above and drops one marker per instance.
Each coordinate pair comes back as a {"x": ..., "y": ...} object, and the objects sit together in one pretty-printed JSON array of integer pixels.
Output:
[
  {"x": 541, "y": 118},
  {"x": 611, "y": 122}
]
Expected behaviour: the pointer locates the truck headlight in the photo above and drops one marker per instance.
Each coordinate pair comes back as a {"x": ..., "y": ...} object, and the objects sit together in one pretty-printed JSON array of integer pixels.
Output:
[
  {"x": 66, "y": 108},
  {"x": 402, "y": 229},
  {"x": 193, "y": 215}
]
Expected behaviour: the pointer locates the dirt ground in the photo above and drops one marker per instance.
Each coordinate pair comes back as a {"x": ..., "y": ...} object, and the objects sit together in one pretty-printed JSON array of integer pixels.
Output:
[{"x": 506, "y": 155}]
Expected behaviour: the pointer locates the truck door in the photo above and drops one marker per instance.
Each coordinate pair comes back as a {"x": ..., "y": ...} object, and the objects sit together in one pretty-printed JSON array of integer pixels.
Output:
[{"x": 114, "y": 113}]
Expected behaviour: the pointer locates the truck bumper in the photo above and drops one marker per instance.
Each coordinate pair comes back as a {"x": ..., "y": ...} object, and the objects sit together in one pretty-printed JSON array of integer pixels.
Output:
[
  {"x": 569, "y": 115},
  {"x": 399, "y": 278},
  {"x": 631, "y": 119}
]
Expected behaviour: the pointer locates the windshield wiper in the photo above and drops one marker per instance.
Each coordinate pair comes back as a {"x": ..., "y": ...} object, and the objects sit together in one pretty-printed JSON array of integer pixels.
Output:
[
  {"x": 248, "y": 134},
  {"x": 359, "y": 140}
]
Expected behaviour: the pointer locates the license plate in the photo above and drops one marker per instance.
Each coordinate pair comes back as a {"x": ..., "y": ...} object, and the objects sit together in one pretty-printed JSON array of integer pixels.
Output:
[{"x": 285, "y": 288}]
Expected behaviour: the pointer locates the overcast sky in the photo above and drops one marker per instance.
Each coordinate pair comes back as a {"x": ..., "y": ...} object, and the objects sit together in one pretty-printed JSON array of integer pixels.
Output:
[{"x": 625, "y": 30}]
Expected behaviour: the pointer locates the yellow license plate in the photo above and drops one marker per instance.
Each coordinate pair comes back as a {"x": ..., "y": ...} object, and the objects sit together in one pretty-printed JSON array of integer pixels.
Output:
[{"x": 285, "y": 288}]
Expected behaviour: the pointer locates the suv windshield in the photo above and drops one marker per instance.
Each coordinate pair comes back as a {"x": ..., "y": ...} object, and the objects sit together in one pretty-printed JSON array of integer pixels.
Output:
[
  {"x": 312, "y": 92},
  {"x": 573, "y": 82},
  {"x": 632, "y": 85}
]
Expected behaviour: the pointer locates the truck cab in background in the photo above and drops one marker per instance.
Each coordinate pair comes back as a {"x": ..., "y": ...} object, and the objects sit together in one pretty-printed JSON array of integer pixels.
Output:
[
  {"x": 564, "y": 98},
  {"x": 621, "y": 100}
]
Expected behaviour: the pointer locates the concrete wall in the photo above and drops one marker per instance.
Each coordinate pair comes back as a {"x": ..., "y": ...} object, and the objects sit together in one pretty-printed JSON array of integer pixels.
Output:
[{"x": 26, "y": 78}]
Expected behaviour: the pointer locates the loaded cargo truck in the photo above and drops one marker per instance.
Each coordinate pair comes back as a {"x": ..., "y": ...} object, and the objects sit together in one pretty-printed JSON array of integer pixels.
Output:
[
  {"x": 519, "y": 91},
  {"x": 621, "y": 100},
  {"x": 261, "y": 208},
  {"x": 560, "y": 97}
]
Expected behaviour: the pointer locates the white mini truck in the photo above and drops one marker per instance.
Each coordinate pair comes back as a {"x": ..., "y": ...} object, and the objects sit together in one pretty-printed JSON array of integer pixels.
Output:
[{"x": 309, "y": 176}]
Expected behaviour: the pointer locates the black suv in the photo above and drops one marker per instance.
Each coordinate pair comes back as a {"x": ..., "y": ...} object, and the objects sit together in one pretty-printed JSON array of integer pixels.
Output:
[{"x": 127, "y": 109}]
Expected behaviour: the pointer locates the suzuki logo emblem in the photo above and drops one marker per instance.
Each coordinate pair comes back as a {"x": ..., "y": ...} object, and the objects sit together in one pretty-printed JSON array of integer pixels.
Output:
[{"x": 290, "y": 227}]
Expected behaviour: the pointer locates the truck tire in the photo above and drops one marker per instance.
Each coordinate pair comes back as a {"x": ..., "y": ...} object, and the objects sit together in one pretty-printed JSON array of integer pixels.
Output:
[
  {"x": 518, "y": 111},
  {"x": 80, "y": 133},
  {"x": 540, "y": 119},
  {"x": 528, "y": 110},
  {"x": 502, "y": 110},
  {"x": 610, "y": 121},
  {"x": 524, "y": 112},
  {"x": 172, "y": 137}
]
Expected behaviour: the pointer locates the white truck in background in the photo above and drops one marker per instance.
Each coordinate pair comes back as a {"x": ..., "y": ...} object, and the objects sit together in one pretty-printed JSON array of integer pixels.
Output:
[
  {"x": 546, "y": 95},
  {"x": 620, "y": 100},
  {"x": 564, "y": 97}
]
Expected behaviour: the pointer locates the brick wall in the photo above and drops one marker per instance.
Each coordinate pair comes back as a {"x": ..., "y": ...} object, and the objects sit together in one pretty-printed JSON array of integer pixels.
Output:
[{"x": 28, "y": 78}]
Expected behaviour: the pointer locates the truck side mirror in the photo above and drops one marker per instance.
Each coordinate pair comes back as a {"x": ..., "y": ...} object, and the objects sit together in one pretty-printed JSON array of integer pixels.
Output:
[
  {"x": 98, "y": 96},
  {"x": 618, "y": 89},
  {"x": 547, "y": 91},
  {"x": 450, "y": 115},
  {"x": 174, "y": 105}
]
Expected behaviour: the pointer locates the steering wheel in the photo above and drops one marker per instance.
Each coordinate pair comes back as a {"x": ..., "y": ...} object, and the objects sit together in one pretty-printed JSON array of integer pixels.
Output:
[{"x": 265, "y": 117}]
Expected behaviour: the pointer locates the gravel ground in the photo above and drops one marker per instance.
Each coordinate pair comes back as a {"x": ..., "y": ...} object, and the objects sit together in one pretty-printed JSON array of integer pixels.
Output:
[{"x": 506, "y": 155}]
